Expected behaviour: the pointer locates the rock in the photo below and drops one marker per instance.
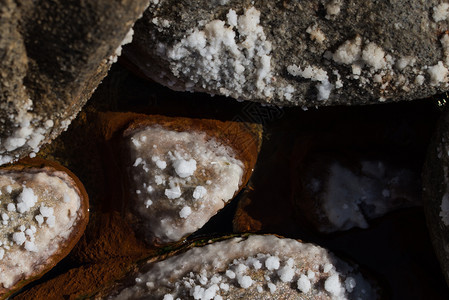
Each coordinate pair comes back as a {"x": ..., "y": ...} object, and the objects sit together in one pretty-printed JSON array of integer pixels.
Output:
[
  {"x": 296, "y": 53},
  {"x": 180, "y": 171},
  {"x": 254, "y": 267},
  {"x": 54, "y": 54},
  {"x": 336, "y": 194},
  {"x": 436, "y": 192},
  {"x": 44, "y": 211}
]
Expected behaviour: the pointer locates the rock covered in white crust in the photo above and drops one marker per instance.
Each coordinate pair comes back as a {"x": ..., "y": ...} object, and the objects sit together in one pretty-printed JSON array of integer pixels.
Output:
[
  {"x": 272, "y": 51},
  {"x": 38, "y": 212},
  {"x": 257, "y": 267},
  {"x": 347, "y": 197},
  {"x": 179, "y": 180}
]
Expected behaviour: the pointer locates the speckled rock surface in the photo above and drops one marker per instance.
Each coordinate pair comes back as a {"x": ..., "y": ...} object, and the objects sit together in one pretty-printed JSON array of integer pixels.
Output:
[
  {"x": 53, "y": 55},
  {"x": 436, "y": 193},
  {"x": 303, "y": 53},
  {"x": 256, "y": 267}
]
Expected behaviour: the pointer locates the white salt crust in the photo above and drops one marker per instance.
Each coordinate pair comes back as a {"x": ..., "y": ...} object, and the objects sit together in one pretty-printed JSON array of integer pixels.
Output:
[
  {"x": 441, "y": 12},
  {"x": 237, "y": 268},
  {"x": 233, "y": 57},
  {"x": 350, "y": 198},
  {"x": 238, "y": 44},
  {"x": 47, "y": 210},
  {"x": 126, "y": 40},
  {"x": 199, "y": 176},
  {"x": 25, "y": 135}
]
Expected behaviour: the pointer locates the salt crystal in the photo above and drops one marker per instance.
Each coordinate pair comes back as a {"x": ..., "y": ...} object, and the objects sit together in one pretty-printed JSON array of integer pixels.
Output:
[
  {"x": 39, "y": 219},
  {"x": 173, "y": 193},
  {"x": 30, "y": 246},
  {"x": 2, "y": 253},
  {"x": 286, "y": 274},
  {"x": 148, "y": 203},
  {"x": 159, "y": 179},
  {"x": 46, "y": 211},
  {"x": 272, "y": 263},
  {"x": 327, "y": 268},
  {"x": 137, "y": 162},
  {"x": 245, "y": 281},
  {"x": 210, "y": 292},
  {"x": 241, "y": 268},
  {"x": 161, "y": 164},
  {"x": 272, "y": 287},
  {"x": 350, "y": 284},
  {"x": 27, "y": 197},
  {"x": 332, "y": 285},
  {"x": 184, "y": 168},
  {"x": 18, "y": 237},
  {"x": 185, "y": 212},
  {"x": 304, "y": 284},
  {"x": 199, "y": 192},
  {"x": 11, "y": 207},
  {"x": 215, "y": 279},
  {"x": 230, "y": 274}
]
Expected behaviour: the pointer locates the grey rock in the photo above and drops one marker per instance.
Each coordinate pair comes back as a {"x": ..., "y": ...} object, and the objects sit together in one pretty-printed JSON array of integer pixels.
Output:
[
  {"x": 436, "y": 192},
  {"x": 53, "y": 55},
  {"x": 296, "y": 53}
]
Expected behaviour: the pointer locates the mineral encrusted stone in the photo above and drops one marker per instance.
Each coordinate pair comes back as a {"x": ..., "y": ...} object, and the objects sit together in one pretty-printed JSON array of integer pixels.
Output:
[
  {"x": 436, "y": 192},
  {"x": 53, "y": 55},
  {"x": 302, "y": 53},
  {"x": 258, "y": 267}
]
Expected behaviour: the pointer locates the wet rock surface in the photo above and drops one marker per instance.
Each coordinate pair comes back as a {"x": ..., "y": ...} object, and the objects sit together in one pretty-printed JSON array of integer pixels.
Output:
[
  {"x": 54, "y": 54},
  {"x": 296, "y": 53},
  {"x": 435, "y": 195}
]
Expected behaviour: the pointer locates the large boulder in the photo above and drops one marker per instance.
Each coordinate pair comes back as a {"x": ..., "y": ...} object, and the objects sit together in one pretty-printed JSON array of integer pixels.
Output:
[
  {"x": 303, "y": 53},
  {"x": 53, "y": 55}
]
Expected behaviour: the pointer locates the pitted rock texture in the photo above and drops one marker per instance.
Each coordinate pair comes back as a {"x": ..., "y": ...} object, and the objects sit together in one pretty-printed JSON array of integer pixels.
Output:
[
  {"x": 436, "y": 192},
  {"x": 53, "y": 55},
  {"x": 296, "y": 53}
]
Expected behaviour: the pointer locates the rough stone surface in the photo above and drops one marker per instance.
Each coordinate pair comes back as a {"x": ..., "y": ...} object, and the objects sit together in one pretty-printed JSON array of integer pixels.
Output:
[
  {"x": 303, "y": 53},
  {"x": 53, "y": 55},
  {"x": 436, "y": 191},
  {"x": 257, "y": 267}
]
